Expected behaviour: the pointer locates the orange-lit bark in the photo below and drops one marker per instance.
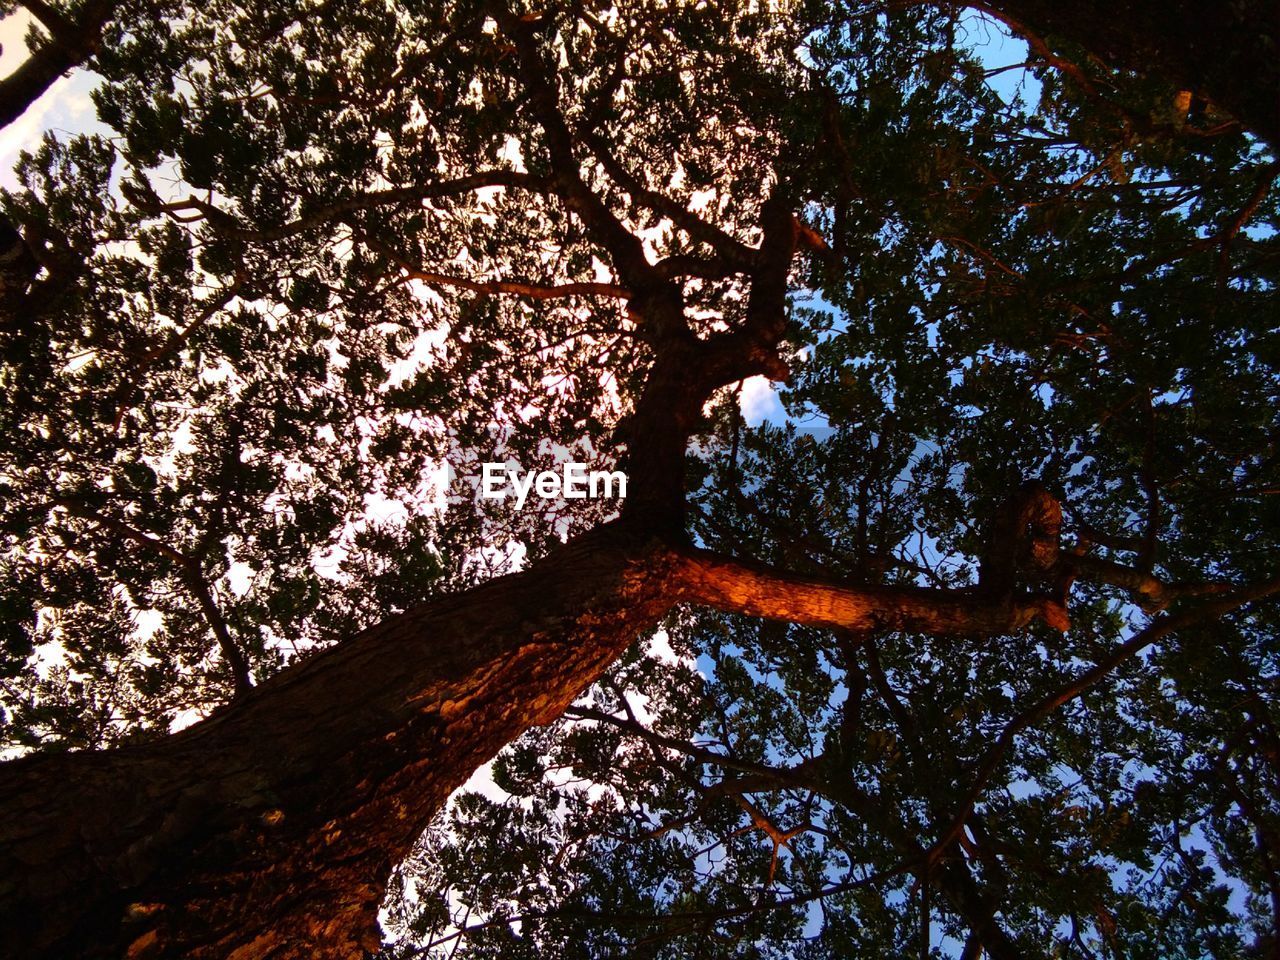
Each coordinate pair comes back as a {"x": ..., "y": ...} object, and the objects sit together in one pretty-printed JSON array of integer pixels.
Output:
[
  {"x": 269, "y": 829},
  {"x": 740, "y": 587}
]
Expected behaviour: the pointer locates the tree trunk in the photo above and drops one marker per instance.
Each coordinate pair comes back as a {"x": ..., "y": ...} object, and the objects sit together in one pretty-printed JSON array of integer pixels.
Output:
[
  {"x": 1227, "y": 52},
  {"x": 269, "y": 830},
  {"x": 71, "y": 43}
]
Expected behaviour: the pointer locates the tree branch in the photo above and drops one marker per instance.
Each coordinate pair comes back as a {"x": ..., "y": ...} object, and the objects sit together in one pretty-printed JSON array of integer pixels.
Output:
[
  {"x": 193, "y": 577},
  {"x": 533, "y": 291},
  {"x": 753, "y": 347},
  {"x": 779, "y": 777},
  {"x": 171, "y": 343},
  {"x": 1150, "y": 592},
  {"x": 732, "y": 251},
  {"x": 71, "y": 44},
  {"x": 1153, "y": 632},
  {"x": 60, "y": 28},
  {"x": 757, "y": 590},
  {"x": 624, "y": 247},
  {"x": 148, "y": 201}
]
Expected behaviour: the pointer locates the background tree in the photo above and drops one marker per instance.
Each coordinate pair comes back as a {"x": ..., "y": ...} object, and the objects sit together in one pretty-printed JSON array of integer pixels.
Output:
[{"x": 326, "y": 250}]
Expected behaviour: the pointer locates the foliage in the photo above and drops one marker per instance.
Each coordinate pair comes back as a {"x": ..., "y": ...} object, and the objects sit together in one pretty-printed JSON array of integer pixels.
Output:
[{"x": 319, "y": 255}]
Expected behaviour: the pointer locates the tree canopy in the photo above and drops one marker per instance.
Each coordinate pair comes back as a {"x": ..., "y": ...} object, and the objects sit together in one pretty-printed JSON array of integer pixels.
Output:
[{"x": 971, "y": 651}]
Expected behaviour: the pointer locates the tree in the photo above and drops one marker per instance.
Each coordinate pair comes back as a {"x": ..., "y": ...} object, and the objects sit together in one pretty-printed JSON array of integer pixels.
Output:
[
  {"x": 327, "y": 249},
  {"x": 64, "y": 38}
]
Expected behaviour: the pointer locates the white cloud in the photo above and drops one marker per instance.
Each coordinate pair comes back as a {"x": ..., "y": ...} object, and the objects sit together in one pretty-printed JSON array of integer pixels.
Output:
[
  {"x": 760, "y": 402},
  {"x": 240, "y": 577},
  {"x": 66, "y": 106}
]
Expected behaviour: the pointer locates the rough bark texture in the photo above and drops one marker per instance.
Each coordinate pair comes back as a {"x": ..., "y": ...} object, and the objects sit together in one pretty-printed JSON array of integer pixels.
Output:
[
  {"x": 739, "y": 587},
  {"x": 1228, "y": 53},
  {"x": 269, "y": 830}
]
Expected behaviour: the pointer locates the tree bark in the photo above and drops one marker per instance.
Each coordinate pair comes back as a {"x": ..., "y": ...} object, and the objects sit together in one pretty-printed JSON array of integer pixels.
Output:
[
  {"x": 1227, "y": 52},
  {"x": 71, "y": 44},
  {"x": 269, "y": 829},
  {"x": 739, "y": 587}
]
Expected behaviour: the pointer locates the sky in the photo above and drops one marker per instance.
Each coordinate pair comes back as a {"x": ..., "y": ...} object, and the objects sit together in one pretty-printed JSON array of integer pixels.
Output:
[{"x": 65, "y": 107}]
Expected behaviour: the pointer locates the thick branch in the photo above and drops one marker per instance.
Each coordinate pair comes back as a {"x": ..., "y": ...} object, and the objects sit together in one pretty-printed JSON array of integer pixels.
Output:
[
  {"x": 59, "y": 27},
  {"x": 777, "y": 777},
  {"x": 1023, "y": 536},
  {"x": 733, "y": 252},
  {"x": 70, "y": 46},
  {"x": 148, "y": 201},
  {"x": 756, "y": 590},
  {"x": 624, "y": 247},
  {"x": 1148, "y": 590},
  {"x": 753, "y": 347},
  {"x": 681, "y": 265},
  {"x": 531, "y": 291}
]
